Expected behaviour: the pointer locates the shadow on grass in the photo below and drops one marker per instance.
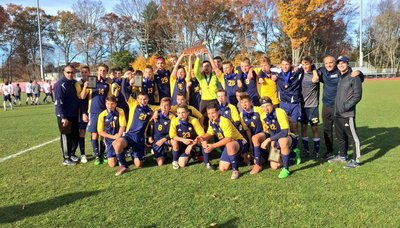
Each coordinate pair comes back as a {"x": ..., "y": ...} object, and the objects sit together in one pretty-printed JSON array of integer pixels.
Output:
[
  {"x": 230, "y": 223},
  {"x": 15, "y": 213}
]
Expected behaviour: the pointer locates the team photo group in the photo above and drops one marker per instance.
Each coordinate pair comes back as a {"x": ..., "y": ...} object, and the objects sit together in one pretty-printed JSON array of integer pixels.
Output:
[{"x": 203, "y": 108}]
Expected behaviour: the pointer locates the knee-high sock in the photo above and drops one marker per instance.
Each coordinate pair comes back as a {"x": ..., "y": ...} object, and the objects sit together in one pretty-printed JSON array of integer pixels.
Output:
[
  {"x": 95, "y": 146},
  {"x": 82, "y": 145},
  {"x": 234, "y": 162},
  {"x": 102, "y": 147},
  {"x": 285, "y": 161},
  {"x": 175, "y": 155},
  {"x": 4, "y": 105},
  {"x": 316, "y": 145},
  {"x": 257, "y": 155},
  {"x": 121, "y": 159},
  {"x": 295, "y": 141},
  {"x": 205, "y": 156},
  {"x": 305, "y": 144}
]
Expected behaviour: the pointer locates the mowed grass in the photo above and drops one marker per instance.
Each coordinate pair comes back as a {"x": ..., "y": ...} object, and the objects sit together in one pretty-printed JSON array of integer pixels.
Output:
[{"x": 36, "y": 190}]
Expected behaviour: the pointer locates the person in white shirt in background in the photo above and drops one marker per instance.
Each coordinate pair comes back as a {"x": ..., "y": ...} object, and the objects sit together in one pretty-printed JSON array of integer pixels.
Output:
[
  {"x": 7, "y": 96},
  {"x": 47, "y": 91},
  {"x": 28, "y": 90}
]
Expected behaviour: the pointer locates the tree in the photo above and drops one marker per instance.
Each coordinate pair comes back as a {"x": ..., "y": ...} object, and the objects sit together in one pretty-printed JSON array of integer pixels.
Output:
[
  {"x": 117, "y": 30},
  {"x": 122, "y": 59}
]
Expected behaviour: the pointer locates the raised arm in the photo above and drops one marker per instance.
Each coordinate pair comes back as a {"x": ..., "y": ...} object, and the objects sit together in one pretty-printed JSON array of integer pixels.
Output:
[
  {"x": 214, "y": 66},
  {"x": 178, "y": 62}
]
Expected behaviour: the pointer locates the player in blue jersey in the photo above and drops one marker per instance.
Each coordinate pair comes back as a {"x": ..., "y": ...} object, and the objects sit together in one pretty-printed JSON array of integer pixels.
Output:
[
  {"x": 159, "y": 131},
  {"x": 116, "y": 88},
  {"x": 184, "y": 132},
  {"x": 111, "y": 126},
  {"x": 277, "y": 123},
  {"x": 149, "y": 85},
  {"x": 178, "y": 80},
  {"x": 229, "y": 139},
  {"x": 162, "y": 78},
  {"x": 97, "y": 100},
  {"x": 193, "y": 87},
  {"x": 247, "y": 79}
]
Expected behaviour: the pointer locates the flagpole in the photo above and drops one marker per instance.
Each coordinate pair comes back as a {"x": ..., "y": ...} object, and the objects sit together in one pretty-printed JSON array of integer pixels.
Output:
[{"x": 40, "y": 43}]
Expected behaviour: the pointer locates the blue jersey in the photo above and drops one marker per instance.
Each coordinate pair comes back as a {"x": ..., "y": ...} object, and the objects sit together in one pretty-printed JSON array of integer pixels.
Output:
[
  {"x": 161, "y": 126},
  {"x": 194, "y": 94},
  {"x": 149, "y": 87},
  {"x": 251, "y": 87},
  {"x": 139, "y": 117},
  {"x": 97, "y": 97},
  {"x": 330, "y": 80},
  {"x": 289, "y": 86},
  {"x": 121, "y": 102},
  {"x": 179, "y": 87},
  {"x": 230, "y": 88},
  {"x": 253, "y": 120},
  {"x": 162, "y": 78}
]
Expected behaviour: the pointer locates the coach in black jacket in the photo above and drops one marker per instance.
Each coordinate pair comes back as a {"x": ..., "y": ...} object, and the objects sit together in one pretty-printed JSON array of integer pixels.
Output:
[
  {"x": 67, "y": 111},
  {"x": 349, "y": 92}
]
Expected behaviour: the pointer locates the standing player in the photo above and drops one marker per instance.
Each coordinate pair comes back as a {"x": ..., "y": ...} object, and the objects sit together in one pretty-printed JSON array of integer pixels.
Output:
[
  {"x": 229, "y": 138},
  {"x": 67, "y": 104},
  {"x": 247, "y": 79},
  {"x": 46, "y": 90},
  {"x": 7, "y": 96},
  {"x": 309, "y": 109},
  {"x": 83, "y": 111},
  {"x": 348, "y": 95},
  {"x": 162, "y": 79},
  {"x": 17, "y": 95},
  {"x": 28, "y": 91},
  {"x": 159, "y": 128},
  {"x": 149, "y": 85},
  {"x": 178, "y": 80},
  {"x": 96, "y": 98},
  {"x": 193, "y": 88},
  {"x": 267, "y": 77},
  {"x": 36, "y": 92},
  {"x": 116, "y": 87},
  {"x": 111, "y": 126},
  {"x": 278, "y": 127}
]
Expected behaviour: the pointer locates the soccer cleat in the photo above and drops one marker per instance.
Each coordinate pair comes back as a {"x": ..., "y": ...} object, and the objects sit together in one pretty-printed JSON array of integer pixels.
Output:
[
  {"x": 121, "y": 170},
  {"x": 284, "y": 173},
  {"x": 97, "y": 161},
  {"x": 83, "y": 159},
  {"x": 352, "y": 164},
  {"x": 175, "y": 165},
  {"x": 235, "y": 175},
  {"x": 68, "y": 162},
  {"x": 210, "y": 167},
  {"x": 256, "y": 169},
  {"x": 297, "y": 159},
  {"x": 305, "y": 153},
  {"x": 105, "y": 161},
  {"x": 74, "y": 158},
  {"x": 338, "y": 158}
]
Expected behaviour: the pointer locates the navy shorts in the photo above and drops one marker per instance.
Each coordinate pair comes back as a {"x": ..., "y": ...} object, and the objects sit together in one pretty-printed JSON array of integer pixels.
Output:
[
  {"x": 110, "y": 152},
  {"x": 243, "y": 148},
  {"x": 293, "y": 110},
  {"x": 17, "y": 97},
  {"x": 137, "y": 144},
  {"x": 182, "y": 148},
  {"x": 29, "y": 94},
  {"x": 7, "y": 97},
  {"x": 160, "y": 151},
  {"x": 37, "y": 95},
  {"x": 310, "y": 115},
  {"x": 92, "y": 126}
]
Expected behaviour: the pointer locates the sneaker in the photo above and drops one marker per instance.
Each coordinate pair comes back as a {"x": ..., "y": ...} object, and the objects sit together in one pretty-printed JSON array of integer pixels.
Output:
[
  {"x": 97, "y": 161},
  {"x": 297, "y": 159},
  {"x": 105, "y": 161},
  {"x": 338, "y": 158},
  {"x": 352, "y": 164},
  {"x": 175, "y": 165},
  {"x": 284, "y": 173},
  {"x": 235, "y": 175},
  {"x": 121, "y": 170},
  {"x": 68, "y": 162},
  {"x": 83, "y": 159},
  {"x": 74, "y": 158},
  {"x": 329, "y": 156},
  {"x": 210, "y": 167},
  {"x": 256, "y": 169}
]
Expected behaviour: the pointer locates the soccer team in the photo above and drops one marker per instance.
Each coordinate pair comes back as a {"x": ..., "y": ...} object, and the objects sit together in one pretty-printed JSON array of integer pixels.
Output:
[{"x": 244, "y": 114}]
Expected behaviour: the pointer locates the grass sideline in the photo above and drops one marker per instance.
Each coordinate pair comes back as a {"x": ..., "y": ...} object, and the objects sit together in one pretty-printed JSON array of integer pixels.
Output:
[{"x": 36, "y": 190}]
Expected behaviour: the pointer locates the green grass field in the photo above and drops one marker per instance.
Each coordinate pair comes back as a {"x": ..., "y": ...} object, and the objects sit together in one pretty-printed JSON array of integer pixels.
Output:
[{"x": 36, "y": 190}]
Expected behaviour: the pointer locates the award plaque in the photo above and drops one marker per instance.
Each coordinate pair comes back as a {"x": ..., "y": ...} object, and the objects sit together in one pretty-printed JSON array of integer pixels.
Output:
[
  {"x": 274, "y": 155},
  {"x": 197, "y": 47},
  {"x": 137, "y": 80},
  {"x": 92, "y": 82}
]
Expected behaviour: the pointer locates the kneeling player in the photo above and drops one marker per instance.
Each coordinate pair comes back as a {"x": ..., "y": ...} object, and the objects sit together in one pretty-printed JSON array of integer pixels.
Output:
[
  {"x": 184, "y": 132},
  {"x": 278, "y": 127},
  {"x": 160, "y": 131},
  {"x": 111, "y": 125},
  {"x": 230, "y": 139}
]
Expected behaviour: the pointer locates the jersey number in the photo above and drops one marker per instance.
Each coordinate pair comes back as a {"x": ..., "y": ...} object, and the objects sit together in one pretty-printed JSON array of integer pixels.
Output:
[
  {"x": 159, "y": 127},
  {"x": 272, "y": 127},
  {"x": 142, "y": 116},
  {"x": 186, "y": 135},
  {"x": 101, "y": 91},
  {"x": 164, "y": 80},
  {"x": 231, "y": 83}
]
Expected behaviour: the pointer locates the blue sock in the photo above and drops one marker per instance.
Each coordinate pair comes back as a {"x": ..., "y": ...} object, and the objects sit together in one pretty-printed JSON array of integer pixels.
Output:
[
  {"x": 264, "y": 154},
  {"x": 305, "y": 144},
  {"x": 95, "y": 146},
  {"x": 257, "y": 155},
  {"x": 292, "y": 154},
  {"x": 295, "y": 141},
  {"x": 234, "y": 162},
  {"x": 122, "y": 160},
  {"x": 205, "y": 156},
  {"x": 175, "y": 155},
  {"x": 102, "y": 148},
  {"x": 82, "y": 145},
  {"x": 316, "y": 145},
  {"x": 285, "y": 161}
]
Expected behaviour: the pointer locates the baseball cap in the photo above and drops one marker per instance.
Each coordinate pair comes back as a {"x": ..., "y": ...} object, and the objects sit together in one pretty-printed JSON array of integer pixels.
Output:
[
  {"x": 343, "y": 58},
  {"x": 265, "y": 100}
]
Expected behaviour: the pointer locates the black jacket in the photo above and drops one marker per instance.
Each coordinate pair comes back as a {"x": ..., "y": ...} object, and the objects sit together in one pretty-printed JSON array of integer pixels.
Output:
[
  {"x": 66, "y": 101},
  {"x": 349, "y": 93}
]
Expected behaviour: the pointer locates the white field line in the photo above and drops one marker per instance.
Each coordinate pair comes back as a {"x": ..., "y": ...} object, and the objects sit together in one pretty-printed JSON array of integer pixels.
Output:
[{"x": 27, "y": 150}]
